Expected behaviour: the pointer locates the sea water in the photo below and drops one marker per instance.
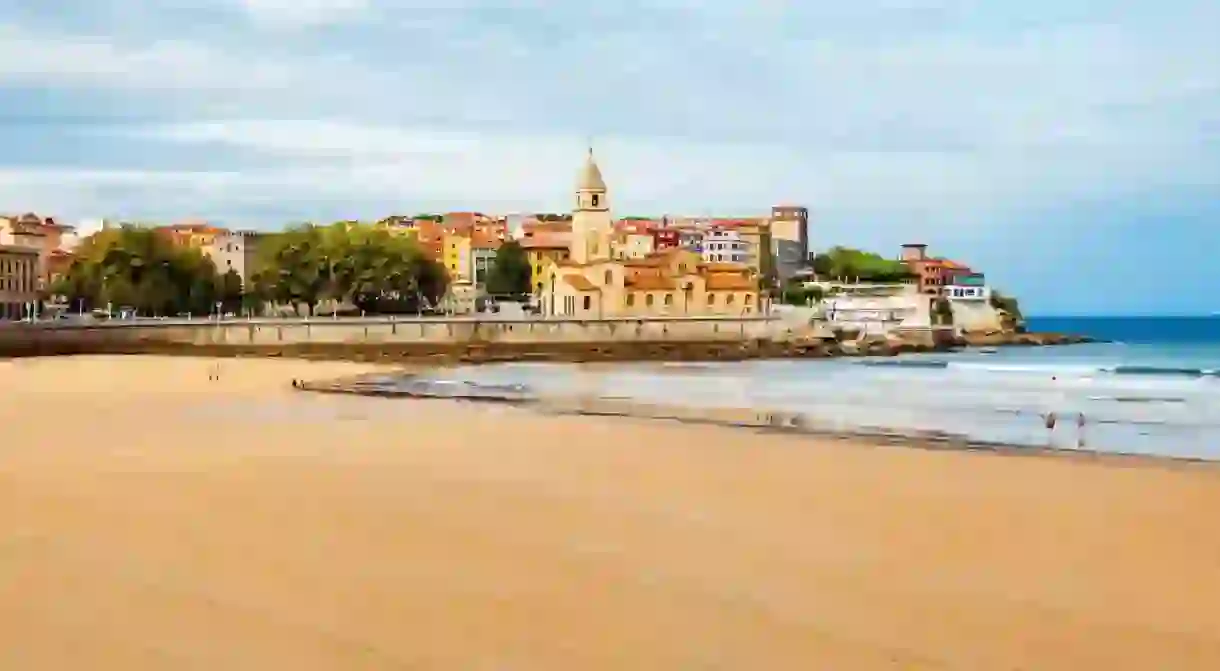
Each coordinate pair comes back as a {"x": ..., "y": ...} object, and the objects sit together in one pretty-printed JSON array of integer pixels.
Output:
[{"x": 1154, "y": 388}]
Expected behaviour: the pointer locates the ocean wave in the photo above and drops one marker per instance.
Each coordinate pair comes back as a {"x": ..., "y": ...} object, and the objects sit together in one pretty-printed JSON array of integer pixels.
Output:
[
  {"x": 903, "y": 363},
  {"x": 1043, "y": 368}
]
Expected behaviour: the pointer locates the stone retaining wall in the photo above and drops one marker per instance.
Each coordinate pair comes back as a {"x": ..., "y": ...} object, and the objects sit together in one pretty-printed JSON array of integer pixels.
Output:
[{"x": 400, "y": 334}]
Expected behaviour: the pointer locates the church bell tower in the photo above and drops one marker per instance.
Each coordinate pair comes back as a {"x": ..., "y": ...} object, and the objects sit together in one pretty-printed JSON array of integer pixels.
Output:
[{"x": 591, "y": 224}]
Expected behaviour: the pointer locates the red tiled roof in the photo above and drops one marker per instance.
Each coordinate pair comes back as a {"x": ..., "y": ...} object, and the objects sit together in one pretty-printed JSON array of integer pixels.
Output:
[
  {"x": 484, "y": 240},
  {"x": 730, "y": 282},
  {"x": 579, "y": 283},
  {"x": 725, "y": 267},
  {"x": 650, "y": 283},
  {"x": 553, "y": 241}
]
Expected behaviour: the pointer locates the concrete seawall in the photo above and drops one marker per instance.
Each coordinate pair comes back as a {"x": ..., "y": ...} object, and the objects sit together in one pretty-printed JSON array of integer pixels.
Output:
[
  {"x": 436, "y": 341},
  {"x": 378, "y": 338}
]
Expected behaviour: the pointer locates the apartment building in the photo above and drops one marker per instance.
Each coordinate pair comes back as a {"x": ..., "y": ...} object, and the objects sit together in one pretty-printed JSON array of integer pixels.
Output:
[
  {"x": 790, "y": 239},
  {"x": 18, "y": 281},
  {"x": 724, "y": 245}
]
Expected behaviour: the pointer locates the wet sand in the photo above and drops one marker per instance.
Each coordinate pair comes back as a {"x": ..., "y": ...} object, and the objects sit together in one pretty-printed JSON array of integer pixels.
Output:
[{"x": 155, "y": 519}]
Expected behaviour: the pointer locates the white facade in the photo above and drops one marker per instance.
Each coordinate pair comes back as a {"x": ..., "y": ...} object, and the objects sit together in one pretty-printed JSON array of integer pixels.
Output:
[
  {"x": 958, "y": 292},
  {"x": 874, "y": 315},
  {"x": 235, "y": 250},
  {"x": 725, "y": 246}
]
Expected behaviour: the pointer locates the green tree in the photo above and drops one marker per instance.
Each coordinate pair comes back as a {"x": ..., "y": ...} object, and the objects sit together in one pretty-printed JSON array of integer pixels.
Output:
[
  {"x": 373, "y": 268},
  {"x": 139, "y": 268},
  {"x": 232, "y": 292},
  {"x": 510, "y": 274},
  {"x": 293, "y": 267},
  {"x": 363, "y": 265},
  {"x": 796, "y": 293},
  {"x": 851, "y": 264}
]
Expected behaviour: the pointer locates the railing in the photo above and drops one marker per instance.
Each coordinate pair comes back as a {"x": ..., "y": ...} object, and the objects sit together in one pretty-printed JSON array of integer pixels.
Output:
[{"x": 370, "y": 321}]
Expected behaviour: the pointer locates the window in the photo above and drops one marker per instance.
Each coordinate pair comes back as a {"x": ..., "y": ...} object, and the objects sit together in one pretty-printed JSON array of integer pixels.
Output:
[
  {"x": 595, "y": 200},
  {"x": 711, "y": 299},
  {"x": 609, "y": 278},
  {"x": 749, "y": 298},
  {"x": 728, "y": 300},
  {"x": 669, "y": 299},
  {"x": 588, "y": 302},
  {"x": 630, "y": 300},
  {"x": 648, "y": 300}
]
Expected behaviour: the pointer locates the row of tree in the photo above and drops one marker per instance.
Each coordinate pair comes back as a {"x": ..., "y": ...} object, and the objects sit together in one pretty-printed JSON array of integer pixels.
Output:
[
  {"x": 356, "y": 264},
  {"x": 853, "y": 264},
  {"x": 135, "y": 267}
]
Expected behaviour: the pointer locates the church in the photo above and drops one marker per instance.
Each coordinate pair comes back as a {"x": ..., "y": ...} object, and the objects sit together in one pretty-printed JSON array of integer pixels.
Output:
[{"x": 590, "y": 284}]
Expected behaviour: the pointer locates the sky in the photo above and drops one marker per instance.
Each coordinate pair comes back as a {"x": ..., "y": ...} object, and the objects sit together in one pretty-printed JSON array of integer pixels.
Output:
[{"x": 1068, "y": 148}]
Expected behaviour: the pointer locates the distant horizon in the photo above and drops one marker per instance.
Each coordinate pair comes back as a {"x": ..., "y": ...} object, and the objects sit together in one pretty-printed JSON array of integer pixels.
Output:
[{"x": 1214, "y": 315}]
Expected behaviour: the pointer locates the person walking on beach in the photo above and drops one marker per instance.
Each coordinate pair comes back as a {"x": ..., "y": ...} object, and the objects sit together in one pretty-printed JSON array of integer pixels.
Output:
[
  {"x": 1080, "y": 422},
  {"x": 1051, "y": 419}
]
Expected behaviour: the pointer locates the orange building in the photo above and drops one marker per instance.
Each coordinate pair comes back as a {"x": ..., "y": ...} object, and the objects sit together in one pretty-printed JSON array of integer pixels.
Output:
[
  {"x": 932, "y": 273},
  {"x": 196, "y": 234}
]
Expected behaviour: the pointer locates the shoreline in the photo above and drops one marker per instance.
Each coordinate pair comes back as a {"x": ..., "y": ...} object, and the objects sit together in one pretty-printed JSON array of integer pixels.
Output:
[{"x": 760, "y": 420}]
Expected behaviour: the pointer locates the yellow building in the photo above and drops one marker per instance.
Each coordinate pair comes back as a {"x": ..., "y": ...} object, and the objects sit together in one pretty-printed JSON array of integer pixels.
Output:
[
  {"x": 196, "y": 234},
  {"x": 675, "y": 282},
  {"x": 632, "y": 245},
  {"x": 455, "y": 251},
  {"x": 544, "y": 249}
]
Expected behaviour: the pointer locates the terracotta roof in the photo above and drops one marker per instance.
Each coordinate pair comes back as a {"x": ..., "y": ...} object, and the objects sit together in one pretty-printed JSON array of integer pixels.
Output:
[
  {"x": 650, "y": 283},
  {"x": 947, "y": 264},
  {"x": 735, "y": 222},
  {"x": 725, "y": 267},
  {"x": 547, "y": 227},
  {"x": 545, "y": 242},
  {"x": 730, "y": 282},
  {"x": 579, "y": 283},
  {"x": 483, "y": 240}
]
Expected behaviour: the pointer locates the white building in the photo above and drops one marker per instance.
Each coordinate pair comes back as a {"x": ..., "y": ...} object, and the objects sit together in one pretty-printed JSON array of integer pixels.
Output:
[
  {"x": 967, "y": 287},
  {"x": 235, "y": 250},
  {"x": 876, "y": 310},
  {"x": 724, "y": 246}
]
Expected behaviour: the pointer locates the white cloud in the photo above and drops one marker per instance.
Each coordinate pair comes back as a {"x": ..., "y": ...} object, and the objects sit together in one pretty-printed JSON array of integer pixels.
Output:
[
  {"x": 65, "y": 61},
  {"x": 720, "y": 106},
  {"x": 303, "y": 12}
]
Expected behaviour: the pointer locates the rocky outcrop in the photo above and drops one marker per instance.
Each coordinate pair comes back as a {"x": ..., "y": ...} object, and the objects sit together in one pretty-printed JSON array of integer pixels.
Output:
[{"x": 1011, "y": 338}]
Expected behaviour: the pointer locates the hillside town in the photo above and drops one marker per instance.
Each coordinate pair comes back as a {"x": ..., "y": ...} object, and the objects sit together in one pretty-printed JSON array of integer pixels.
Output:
[{"x": 582, "y": 264}]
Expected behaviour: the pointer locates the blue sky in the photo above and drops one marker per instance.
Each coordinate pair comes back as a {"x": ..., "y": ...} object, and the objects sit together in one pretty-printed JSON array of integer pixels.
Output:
[{"x": 1071, "y": 149}]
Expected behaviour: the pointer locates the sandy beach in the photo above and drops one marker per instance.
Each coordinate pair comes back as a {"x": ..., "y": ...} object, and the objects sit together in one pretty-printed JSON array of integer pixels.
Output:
[{"x": 155, "y": 519}]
